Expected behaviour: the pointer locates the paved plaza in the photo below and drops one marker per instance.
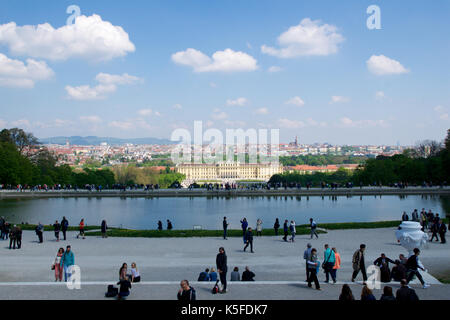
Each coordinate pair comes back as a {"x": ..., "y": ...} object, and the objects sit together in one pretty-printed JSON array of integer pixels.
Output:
[{"x": 163, "y": 262}]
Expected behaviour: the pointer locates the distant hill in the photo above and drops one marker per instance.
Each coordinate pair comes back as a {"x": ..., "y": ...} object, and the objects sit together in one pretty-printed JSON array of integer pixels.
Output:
[{"x": 93, "y": 140}]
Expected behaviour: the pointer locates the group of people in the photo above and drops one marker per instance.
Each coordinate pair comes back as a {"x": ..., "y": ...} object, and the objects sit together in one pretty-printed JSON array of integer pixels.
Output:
[
  {"x": 403, "y": 294},
  {"x": 63, "y": 263},
  {"x": 430, "y": 222},
  {"x": 169, "y": 225},
  {"x": 208, "y": 275},
  {"x": 15, "y": 237},
  {"x": 331, "y": 264}
]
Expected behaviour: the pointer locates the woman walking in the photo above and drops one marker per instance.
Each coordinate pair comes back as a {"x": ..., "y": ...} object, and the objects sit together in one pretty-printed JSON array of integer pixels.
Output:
[
  {"x": 81, "y": 229},
  {"x": 57, "y": 265},
  {"x": 337, "y": 263},
  {"x": 258, "y": 227},
  {"x": 293, "y": 231}
]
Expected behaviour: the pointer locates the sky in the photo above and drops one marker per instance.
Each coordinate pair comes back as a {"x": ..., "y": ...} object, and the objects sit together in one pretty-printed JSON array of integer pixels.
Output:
[{"x": 312, "y": 69}]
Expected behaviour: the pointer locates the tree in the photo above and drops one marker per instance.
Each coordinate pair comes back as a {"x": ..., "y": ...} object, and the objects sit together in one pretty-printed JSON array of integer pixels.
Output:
[
  {"x": 427, "y": 148},
  {"x": 19, "y": 138}
]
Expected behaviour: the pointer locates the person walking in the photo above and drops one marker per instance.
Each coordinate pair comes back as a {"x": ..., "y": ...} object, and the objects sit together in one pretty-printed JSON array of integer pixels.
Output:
[
  {"x": 186, "y": 293},
  {"x": 81, "y": 226},
  {"x": 39, "y": 231},
  {"x": 329, "y": 260},
  {"x": 312, "y": 264},
  {"x": 67, "y": 261},
  {"x": 222, "y": 268},
  {"x": 285, "y": 230},
  {"x": 57, "y": 229},
  {"x": 169, "y": 225},
  {"x": 413, "y": 265},
  {"x": 383, "y": 263},
  {"x": 57, "y": 265},
  {"x": 64, "y": 226},
  {"x": 225, "y": 227},
  {"x": 276, "y": 226},
  {"x": 359, "y": 263},
  {"x": 104, "y": 228},
  {"x": 259, "y": 227},
  {"x": 18, "y": 237},
  {"x": 442, "y": 229},
  {"x": 12, "y": 237},
  {"x": 435, "y": 230},
  {"x": 160, "y": 227},
  {"x": 2, "y": 228},
  {"x": 313, "y": 226},
  {"x": 293, "y": 231},
  {"x": 337, "y": 264},
  {"x": 249, "y": 240},
  {"x": 244, "y": 225},
  {"x": 306, "y": 256}
]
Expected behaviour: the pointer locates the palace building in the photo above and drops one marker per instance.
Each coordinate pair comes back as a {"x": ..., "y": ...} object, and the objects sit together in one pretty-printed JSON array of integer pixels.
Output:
[{"x": 229, "y": 171}]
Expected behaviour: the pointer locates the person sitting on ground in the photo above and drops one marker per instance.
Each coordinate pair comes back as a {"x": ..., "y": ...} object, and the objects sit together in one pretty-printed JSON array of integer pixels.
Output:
[
  {"x": 135, "y": 276},
  {"x": 346, "y": 293},
  {"x": 398, "y": 271},
  {"x": 405, "y": 293},
  {"x": 213, "y": 275},
  {"x": 247, "y": 275},
  {"x": 123, "y": 272},
  {"x": 235, "y": 276},
  {"x": 204, "y": 276},
  {"x": 186, "y": 293},
  {"x": 367, "y": 295},
  {"x": 124, "y": 290},
  {"x": 387, "y": 294}
]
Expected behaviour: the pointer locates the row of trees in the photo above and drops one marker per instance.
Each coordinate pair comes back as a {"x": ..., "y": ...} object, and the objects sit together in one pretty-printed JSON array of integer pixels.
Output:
[
  {"x": 130, "y": 174},
  {"x": 429, "y": 162},
  {"x": 320, "y": 160}
]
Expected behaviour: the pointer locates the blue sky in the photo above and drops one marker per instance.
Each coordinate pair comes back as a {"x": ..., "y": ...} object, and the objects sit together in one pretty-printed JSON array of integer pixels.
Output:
[{"x": 345, "y": 84}]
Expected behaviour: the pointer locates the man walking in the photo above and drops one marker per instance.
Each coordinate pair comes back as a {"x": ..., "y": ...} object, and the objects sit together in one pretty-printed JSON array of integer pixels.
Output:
[
  {"x": 225, "y": 227},
  {"x": 359, "y": 263},
  {"x": 67, "y": 261},
  {"x": 244, "y": 225},
  {"x": 57, "y": 228},
  {"x": 249, "y": 239},
  {"x": 12, "y": 237},
  {"x": 222, "y": 268},
  {"x": 39, "y": 232},
  {"x": 285, "y": 230},
  {"x": 434, "y": 230},
  {"x": 293, "y": 231},
  {"x": 328, "y": 263},
  {"x": 313, "y": 226},
  {"x": 442, "y": 229},
  {"x": 413, "y": 265},
  {"x": 306, "y": 256},
  {"x": 64, "y": 226}
]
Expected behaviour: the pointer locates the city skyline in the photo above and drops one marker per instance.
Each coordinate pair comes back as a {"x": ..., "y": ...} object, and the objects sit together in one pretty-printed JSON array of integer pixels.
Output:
[{"x": 312, "y": 70}]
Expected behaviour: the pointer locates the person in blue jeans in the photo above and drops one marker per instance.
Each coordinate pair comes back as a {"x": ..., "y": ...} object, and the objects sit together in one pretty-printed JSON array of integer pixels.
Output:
[
  {"x": 328, "y": 263},
  {"x": 67, "y": 261}
]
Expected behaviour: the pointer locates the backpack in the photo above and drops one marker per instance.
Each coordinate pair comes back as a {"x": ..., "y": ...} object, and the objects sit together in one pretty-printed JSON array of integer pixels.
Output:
[
  {"x": 216, "y": 288},
  {"x": 112, "y": 291}
]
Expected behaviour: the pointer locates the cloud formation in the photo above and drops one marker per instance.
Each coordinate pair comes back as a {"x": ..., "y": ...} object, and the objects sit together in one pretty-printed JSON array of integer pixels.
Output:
[
  {"x": 221, "y": 61},
  {"x": 296, "y": 101},
  {"x": 339, "y": 99},
  {"x": 237, "y": 102},
  {"x": 87, "y": 38},
  {"x": 382, "y": 65},
  {"x": 308, "y": 38},
  {"x": 107, "y": 84},
  {"x": 15, "y": 73}
]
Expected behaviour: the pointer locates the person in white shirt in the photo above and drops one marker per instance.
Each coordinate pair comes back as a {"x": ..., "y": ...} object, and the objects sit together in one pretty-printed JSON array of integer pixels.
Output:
[{"x": 135, "y": 276}]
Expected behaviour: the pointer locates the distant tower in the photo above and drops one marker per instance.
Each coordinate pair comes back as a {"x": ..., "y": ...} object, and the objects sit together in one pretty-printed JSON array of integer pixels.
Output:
[
  {"x": 67, "y": 143},
  {"x": 296, "y": 141}
]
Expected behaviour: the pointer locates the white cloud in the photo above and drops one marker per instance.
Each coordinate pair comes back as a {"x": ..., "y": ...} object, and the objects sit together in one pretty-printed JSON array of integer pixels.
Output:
[
  {"x": 439, "y": 109},
  {"x": 309, "y": 38},
  {"x": 379, "y": 95},
  {"x": 444, "y": 116},
  {"x": 91, "y": 119},
  {"x": 177, "y": 106},
  {"x": 88, "y": 38},
  {"x": 219, "y": 115},
  {"x": 296, "y": 101},
  {"x": 15, "y": 73},
  {"x": 442, "y": 112},
  {"x": 124, "y": 125},
  {"x": 290, "y": 124},
  {"x": 339, "y": 99},
  {"x": 262, "y": 111},
  {"x": 213, "y": 85},
  {"x": 222, "y": 61},
  {"x": 382, "y": 65},
  {"x": 145, "y": 112},
  {"x": 349, "y": 123},
  {"x": 274, "y": 69},
  {"x": 107, "y": 84},
  {"x": 237, "y": 102}
]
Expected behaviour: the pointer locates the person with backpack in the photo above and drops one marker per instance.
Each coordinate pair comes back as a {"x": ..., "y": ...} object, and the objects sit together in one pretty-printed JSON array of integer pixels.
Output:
[
  {"x": 328, "y": 263},
  {"x": 204, "y": 275},
  {"x": 313, "y": 226},
  {"x": 64, "y": 226},
  {"x": 186, "y": 293},
  {"x": 81, "y": 225},
  {"x": 222, "y": 268}
]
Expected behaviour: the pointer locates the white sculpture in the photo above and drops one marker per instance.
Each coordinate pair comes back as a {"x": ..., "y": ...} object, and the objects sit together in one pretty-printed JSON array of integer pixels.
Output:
[{"x": 410, "y": 236}]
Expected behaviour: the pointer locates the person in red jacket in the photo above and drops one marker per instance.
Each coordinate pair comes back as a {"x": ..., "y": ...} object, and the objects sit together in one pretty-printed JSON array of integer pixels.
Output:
[{"x": 81, "y": 229}]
